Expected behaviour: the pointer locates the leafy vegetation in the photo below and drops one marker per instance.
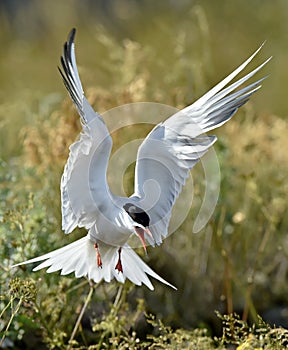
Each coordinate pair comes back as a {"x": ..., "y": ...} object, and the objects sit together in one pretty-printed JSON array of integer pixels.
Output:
[{"x": 236, "y": 265}]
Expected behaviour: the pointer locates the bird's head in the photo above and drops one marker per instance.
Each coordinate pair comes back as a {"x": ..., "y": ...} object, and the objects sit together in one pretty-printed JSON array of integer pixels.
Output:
[{"x": 141, "y": 221}]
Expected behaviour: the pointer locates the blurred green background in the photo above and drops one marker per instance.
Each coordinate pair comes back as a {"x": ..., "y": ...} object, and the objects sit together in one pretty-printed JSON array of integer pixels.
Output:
[
  {"x": 210, "y": 39},
  {"x": 129, "y": 51}
]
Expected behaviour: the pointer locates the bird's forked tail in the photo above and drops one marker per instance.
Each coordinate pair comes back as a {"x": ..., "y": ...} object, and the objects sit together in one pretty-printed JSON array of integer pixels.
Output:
[{"x": 83, "y": 258}]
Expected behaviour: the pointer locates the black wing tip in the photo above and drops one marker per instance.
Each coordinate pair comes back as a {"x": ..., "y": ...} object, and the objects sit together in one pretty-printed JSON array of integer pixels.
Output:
[
  {"x": 68, "y": 44},
  {"x": 66, "y": 56},
  {"x": 71, "y": 35}
]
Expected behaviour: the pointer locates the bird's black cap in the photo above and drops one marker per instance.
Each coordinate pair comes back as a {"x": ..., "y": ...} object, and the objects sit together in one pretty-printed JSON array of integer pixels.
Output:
[{"x": 137, "y": 214}]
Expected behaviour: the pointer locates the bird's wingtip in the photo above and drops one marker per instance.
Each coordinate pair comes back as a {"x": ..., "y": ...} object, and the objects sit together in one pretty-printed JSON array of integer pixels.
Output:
[{"x": 71, "y": 35}]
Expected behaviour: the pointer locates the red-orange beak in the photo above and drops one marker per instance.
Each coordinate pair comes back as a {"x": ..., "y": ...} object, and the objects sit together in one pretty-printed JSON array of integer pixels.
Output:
[{"x": 141, "y": 234}]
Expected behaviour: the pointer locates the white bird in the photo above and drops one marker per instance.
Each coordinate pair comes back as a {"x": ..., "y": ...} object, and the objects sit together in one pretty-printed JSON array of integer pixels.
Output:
[{"x": 165, "y": 158}]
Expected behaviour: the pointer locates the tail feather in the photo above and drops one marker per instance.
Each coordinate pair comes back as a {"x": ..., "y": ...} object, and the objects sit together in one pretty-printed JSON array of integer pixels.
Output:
[
  {"x": 80, "y": 257},
  {"x": 137, "y": 275}
]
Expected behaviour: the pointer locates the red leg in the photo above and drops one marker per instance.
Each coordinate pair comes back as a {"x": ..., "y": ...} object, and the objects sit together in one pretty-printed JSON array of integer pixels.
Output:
[
  {"x": 98, "y": 256},
  {"x": 119, "y": 264}
]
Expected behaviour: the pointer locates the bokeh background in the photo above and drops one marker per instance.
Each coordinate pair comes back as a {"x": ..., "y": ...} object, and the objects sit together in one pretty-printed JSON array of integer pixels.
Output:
[{"x": 131, "y": 51}]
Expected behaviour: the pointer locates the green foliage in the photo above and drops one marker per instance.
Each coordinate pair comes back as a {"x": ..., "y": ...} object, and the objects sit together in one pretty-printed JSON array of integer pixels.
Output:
[
  {"x": 262, "y": 336},
  {"x": 167, "y": 338},
  {"x": 24, "y": 290}
]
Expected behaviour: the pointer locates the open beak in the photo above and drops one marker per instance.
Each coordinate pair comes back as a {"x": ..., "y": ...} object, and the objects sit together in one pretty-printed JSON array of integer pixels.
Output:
[{"x": 141, "y": 234}]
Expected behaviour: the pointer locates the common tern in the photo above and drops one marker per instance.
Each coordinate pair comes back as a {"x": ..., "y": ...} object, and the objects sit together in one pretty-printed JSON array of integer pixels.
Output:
[{"x": 165, "y": 158}]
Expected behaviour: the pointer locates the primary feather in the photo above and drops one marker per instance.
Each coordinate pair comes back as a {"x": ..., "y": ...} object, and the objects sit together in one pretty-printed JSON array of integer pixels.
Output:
[{"x": 172, "y": 148}]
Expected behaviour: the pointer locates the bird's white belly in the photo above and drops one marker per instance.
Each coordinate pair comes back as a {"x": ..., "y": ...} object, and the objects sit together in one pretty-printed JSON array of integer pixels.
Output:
[{"x": 107, "y": 231}]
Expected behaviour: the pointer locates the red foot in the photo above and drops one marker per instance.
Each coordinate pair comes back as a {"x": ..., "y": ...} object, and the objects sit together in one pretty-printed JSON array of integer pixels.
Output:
[
  {"x": 98, "y": 256},
  {"x": 119, "y": 264}
]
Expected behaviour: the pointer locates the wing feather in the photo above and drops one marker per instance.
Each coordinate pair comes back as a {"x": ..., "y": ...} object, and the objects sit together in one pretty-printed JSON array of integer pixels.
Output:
[
  {"x": 173, "y": 147},
  {"x": 91, "y": 151}
]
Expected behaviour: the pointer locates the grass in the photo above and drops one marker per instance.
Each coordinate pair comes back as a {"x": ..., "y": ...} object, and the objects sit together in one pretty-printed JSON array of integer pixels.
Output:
[{"x": 236, "y": 265}]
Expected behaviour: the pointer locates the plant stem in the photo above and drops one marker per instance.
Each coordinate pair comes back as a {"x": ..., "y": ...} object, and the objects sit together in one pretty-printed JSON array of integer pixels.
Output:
[
  {"x": 11, "y": 319},
  {"x": 118, "y": 296},
  {"x": 6, "y": 307},
  {"x": 79, "y": 285},
  {"x": 89, "y": 296}
]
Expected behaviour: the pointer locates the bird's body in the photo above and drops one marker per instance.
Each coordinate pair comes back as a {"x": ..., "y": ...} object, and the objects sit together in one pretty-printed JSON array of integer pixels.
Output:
[{"x": 163, "y": 163}]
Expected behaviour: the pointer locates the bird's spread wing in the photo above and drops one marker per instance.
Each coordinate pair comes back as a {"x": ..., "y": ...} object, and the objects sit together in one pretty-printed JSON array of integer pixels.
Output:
[
  {"x": 90, "y": 152},
  {"x": 172, "y": 148}
]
